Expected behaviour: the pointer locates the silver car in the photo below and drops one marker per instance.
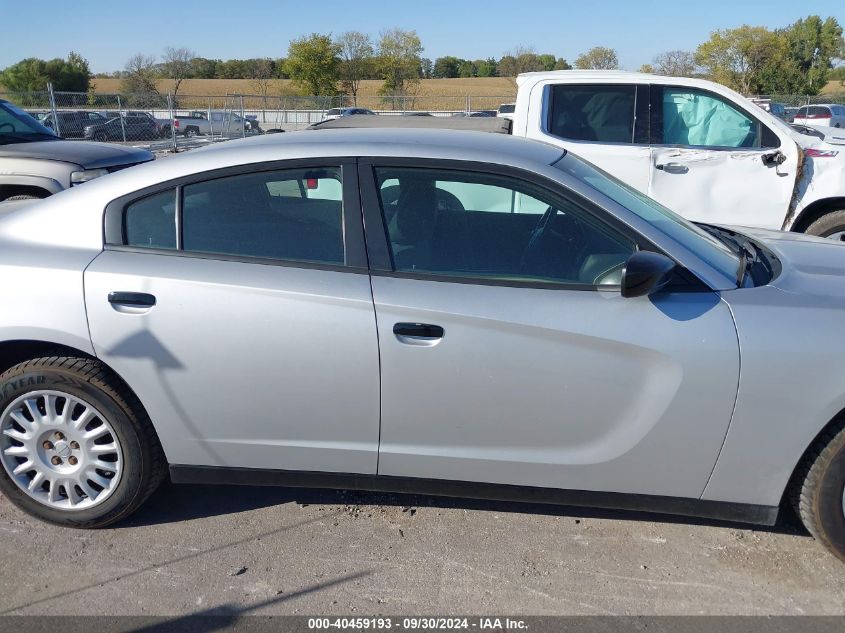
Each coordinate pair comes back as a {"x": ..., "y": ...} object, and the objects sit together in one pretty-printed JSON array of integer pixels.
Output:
[{"x": 433, "y": 311}]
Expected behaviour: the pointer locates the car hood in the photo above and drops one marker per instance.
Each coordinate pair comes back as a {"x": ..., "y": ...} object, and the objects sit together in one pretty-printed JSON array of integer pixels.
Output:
[
  {"x": 809, "y": 264},
  {"x": 88, "y": 154}
]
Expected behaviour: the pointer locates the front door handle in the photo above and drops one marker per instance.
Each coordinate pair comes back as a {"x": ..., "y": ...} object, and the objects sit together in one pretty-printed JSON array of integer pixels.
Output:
[
  {"x": 418, "y": 333},
  {"x": 132, "y": 299},
  {"x": 672, "y": 168}
]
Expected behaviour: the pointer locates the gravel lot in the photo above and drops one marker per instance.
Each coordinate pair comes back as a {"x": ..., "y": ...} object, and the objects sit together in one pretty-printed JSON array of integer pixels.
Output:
[{"x": 203, "y": 549}]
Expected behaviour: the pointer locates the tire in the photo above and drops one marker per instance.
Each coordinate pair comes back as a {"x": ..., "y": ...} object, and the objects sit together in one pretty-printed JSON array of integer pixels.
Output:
[
  {"x": 192, "y": 131},
  {"x": 102, "y": 137},
  {"x": 138, "y": 462},
  {"x": 23, "y": 196},
  {"x": 829, "y": 224},
  {"x": 818, "y": 489}
]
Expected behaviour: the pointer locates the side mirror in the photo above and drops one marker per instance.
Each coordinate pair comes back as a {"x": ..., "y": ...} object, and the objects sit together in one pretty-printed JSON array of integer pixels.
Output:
[{"x": 646, "y": 272}]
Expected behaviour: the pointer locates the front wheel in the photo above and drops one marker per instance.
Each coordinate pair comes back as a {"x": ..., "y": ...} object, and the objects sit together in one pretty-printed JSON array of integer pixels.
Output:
[
  {"x": 76, "y": 447},
  {"x": 831, "y": 225},
  {"x": 818, "y": 493}
]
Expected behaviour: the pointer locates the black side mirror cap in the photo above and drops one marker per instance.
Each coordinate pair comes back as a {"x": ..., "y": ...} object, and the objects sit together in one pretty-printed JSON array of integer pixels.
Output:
[{"x": 646, "y": 273}]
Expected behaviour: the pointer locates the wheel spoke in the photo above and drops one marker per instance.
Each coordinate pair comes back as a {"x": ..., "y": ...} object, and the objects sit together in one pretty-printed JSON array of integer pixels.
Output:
[
  {"x": 103, "y": 449},
  {"x": 16, "y": 450},
  {"x": 50, "y": 407},
  {"x": 73, "y": 496},
  {"x": 16, "y": 435},
  {"x": 19, "y": 417},
  {"x": 97, "y": 478},
  {"x": 32, "y": 406},
  {"x": 96, "y": 432},
  {"x": 101, "y": 465},
  {"x": 36, "y": 481},
  {"x": 54, "y": 496},
  {"x": 22, "y": 468},
  {"x": 87, "y": 488},
  {"x": 84, "y": 418}
]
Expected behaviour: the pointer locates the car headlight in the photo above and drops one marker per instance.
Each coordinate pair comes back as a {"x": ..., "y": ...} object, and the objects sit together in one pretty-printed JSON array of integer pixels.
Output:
[{"x": 78, "y": 177}]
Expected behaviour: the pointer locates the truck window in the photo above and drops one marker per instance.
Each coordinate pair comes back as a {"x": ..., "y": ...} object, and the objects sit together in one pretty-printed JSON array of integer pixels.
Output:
[
  {"x": 691, "y": 117},
  {"x": 600, "y": 113}
]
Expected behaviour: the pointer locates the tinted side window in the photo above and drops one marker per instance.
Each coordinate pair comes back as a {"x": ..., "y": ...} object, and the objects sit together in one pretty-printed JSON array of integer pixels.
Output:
[
  {"x": 482, "y": 226},
  {"x": 703, "y": 119},
  {"x": 593, "y": 113},
  {"x": 293, "y": 214},
  {"x": 151, "y": 221}
]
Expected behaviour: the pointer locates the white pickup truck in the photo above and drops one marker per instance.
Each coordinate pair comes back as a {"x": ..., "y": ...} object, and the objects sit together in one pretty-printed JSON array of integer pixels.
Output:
[{"x": 699, "y": 148}]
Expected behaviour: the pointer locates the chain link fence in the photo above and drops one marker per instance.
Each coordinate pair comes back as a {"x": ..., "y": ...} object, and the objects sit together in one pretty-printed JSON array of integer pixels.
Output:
[{"x": 165, "y": 121}]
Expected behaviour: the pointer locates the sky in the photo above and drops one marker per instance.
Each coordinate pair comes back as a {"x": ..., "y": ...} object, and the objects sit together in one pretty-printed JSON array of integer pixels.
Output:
[{"x": 108, "y": 35}]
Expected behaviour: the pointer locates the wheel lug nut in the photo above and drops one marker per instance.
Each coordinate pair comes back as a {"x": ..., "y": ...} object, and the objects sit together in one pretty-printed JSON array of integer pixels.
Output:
[
  {"x": 74, "y": 445},
  {"x": 56, "y": 460},
  {"x": 47, "y": 445},
  {"x": 72, "y": 460},
  {"x": 59, "y": 436}
]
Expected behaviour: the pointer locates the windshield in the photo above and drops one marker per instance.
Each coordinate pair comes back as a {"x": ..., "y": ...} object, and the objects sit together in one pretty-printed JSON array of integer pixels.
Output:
[
  {"x": 16, "y": 126},
  {"x": 698, "y": 241}
]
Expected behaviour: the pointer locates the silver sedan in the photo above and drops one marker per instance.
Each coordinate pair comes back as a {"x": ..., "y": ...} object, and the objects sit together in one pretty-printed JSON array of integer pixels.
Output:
[{"x": 432, "y": 311}]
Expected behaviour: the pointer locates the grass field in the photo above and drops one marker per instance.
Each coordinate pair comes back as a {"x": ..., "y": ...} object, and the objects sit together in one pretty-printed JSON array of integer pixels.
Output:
[{"x": 432, "y": 94}]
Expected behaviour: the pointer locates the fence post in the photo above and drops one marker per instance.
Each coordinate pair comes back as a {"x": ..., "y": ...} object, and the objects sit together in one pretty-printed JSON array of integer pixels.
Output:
[
  {"x": 467, "y": 104},
  {"x": 53, "y": 109},
  {"x": 243, "y": 119},
  {"x": 120, "y": 114},
  {"x": 172, "y": 121}
]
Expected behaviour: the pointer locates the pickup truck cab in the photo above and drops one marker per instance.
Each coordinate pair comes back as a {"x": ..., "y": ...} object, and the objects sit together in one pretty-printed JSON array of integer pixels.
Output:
[
  {"x": 209, "y": 123},
  {"x": 697, "y": 147}
]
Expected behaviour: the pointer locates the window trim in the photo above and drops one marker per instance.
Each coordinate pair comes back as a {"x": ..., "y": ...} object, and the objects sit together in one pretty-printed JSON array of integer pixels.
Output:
[
  {"x": 378, "y": 240},
  {"x": 656, "y": 121},
  {"x": 640, "y": 124},
  {"x": 355, "y": 253}
]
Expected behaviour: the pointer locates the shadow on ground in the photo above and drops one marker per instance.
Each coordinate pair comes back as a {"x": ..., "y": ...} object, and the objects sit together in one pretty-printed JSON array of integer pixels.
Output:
[{"x": 185, "y": 502}]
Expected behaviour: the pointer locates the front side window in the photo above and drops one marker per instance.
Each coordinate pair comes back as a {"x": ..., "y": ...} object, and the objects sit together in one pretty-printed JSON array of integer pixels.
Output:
[
  {"x": 602, "y": 113},
  {"x": 292, "y": 214},
  {"x": 482, "y": 226},
  {"x": 702, "y": 119}
]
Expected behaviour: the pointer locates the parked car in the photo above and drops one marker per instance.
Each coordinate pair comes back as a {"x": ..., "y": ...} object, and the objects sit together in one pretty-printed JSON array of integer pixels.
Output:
[
  {"x": 417, "y": 114},
  {"x": 480, "y": 113},
  {"x": 124, "y": 128},
  {"x": 506, "y": 111},
  {"x": 832, "y": 135},
  {"x": 252, "y": 124},
  {"x": 336, "y": 113},
  {"x": 608, "y": 328},
  {"x": 705, "y": 152},
  {"x": 213, "y": 122},
  {"x": 35, "y": 163},
  {"x": 773, "y": 108},
  {"x": 826, "y": 114},
  {"x": 790, "y": 112},
  {"x": 72, "y": 124}
]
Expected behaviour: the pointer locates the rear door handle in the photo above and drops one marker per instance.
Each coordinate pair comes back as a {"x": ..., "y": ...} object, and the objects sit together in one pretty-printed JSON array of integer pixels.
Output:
[
  {"x": 672, "y": 168},
  {"x": 418, "y": 333},
  {"x": 132, "y": 299}
]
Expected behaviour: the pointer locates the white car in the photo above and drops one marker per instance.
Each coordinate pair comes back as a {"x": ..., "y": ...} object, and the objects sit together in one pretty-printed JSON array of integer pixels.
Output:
[
  {"x": 824, "y": 114},
  {"x": 506, "y": 111},
  {"x": 697, "y": 147}
]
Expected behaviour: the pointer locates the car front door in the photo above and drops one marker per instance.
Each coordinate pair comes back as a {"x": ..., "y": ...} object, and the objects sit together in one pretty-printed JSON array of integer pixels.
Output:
[
  {"x": 238, "y": 308},
  {"x": 714, "y": 162},
  {"x": 605, "y": 123},
  {"x": 508, "y": 354}
]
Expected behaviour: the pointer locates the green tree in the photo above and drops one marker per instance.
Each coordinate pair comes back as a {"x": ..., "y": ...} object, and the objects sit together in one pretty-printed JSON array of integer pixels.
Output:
[
  {"x": 467, "y": 69},
  {"x": 356, "y": 60},
  {"x": 203, "y": 68},
  {"x": 548, "y": 61},
  {"x": 399, "y": 61},
  {"x": 646, "y": 68},
  {"x": 33, "y": 74},
  {"x": 598, "y": 58},
  {"x": 446, "y": 67},
  {"x": 313, "y": 62},
  {"x": 562, "y": 64},
  {"x": 813, "y": 44},
  {"x": 486, "y": 67},
  {"x": 738, "y": 57}
]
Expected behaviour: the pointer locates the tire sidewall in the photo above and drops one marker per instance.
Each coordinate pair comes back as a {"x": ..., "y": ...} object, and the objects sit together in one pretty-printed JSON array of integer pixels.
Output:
[
  {"x": 831, "y": 222},
  {"x": 829, "y": 505},
  {"x": 38, "y": 379}
]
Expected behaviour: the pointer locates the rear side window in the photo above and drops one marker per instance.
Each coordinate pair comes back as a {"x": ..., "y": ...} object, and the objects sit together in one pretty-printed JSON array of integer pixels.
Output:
[
  {"x": 151, "y": 221},
  {"x": 593, "y": 112},
  {"x": 293, "y": 214}
]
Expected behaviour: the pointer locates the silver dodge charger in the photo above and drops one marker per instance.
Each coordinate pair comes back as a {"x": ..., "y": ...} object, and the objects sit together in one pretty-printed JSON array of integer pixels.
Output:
[{"x": 429, "y": 311}]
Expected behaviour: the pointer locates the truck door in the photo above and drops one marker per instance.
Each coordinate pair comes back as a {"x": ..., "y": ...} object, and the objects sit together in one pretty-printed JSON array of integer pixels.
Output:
[
  {"x": 713, "y": 161},
  {"x": 607, "y": 124}
]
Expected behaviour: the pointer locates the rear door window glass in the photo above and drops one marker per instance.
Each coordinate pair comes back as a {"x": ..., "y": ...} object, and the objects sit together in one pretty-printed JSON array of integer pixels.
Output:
[{"x": 151, "y": 221}]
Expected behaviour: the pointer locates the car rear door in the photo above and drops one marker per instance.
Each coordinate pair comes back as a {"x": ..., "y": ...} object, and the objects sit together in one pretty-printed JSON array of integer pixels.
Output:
[
  {"x": 605, "y": 123},
  {"x": 715, "y": 162},
  {"x": 508, "y": 354},
  {"x": 237, "y": 306}
]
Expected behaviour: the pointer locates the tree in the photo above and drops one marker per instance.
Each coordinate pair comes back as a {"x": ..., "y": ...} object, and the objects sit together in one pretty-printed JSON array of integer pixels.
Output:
[
  {"x": 314, "y": 64},
  {"x": 562, "y": 64},
  {"x": 262, "y": 77},
  {"x": 203, "y": 68},
  {"x": 467, "y": 69},
  {"x": 33, "y": 74},
  {"x": 523, "y": 59},
  {"x": 486, "y": 67},
  {"x": 548, "y": 61},
  {"x": 813, "y": 44},
  {"x": 399, "y": 61},
  {"x": 446, "y": 67},
  {"x": 426, "y": 68},
  {"x": 598, "y": 58},
  {"x": 646, "y": 68},
  {"x": 177, "y": 65},
  {"x": 356, "y": 59},
  {"x": 675, "y": 64},
  {"x": 140, "y": 75}
]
